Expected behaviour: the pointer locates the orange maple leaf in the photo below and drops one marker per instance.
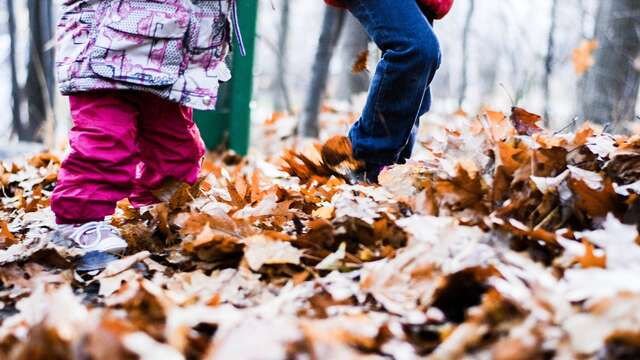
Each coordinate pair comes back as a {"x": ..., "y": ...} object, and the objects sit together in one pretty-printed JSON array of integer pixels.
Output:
[
  {"x": 590, "y": 259},
  {"x": 512, "y": 155},
  {"x": 582, "y": 135},
  {"x": 5, "y": 235},
  {"x": 583, "y": 56}
]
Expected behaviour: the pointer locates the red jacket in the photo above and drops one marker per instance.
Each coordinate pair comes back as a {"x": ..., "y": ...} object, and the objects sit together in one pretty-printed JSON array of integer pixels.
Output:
[{"x": 437, "y": 8}]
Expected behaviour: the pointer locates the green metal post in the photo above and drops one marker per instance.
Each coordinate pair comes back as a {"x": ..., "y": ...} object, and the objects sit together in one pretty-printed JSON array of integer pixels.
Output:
[{"x": 232, "y": 117}]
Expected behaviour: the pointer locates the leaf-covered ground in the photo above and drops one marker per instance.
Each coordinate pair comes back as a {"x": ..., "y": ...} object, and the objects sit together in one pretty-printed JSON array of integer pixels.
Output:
[{"x": 505, "y": 241}]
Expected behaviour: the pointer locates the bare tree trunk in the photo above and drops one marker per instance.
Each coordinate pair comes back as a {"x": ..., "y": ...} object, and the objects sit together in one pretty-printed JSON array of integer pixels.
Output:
[
  {"x": 283, "y": 99},
  {"x": 548, "y": 62},
  {"x": 39, "y": 86},
  {"x": 15, "y": 87},
  {"x": 330, "y": 33},
  {"x": 585, "y": 32},
  {"x": 611, "y": 87},
  {"x": 465, "y": 53},
  {"x": 355, "y": 41}
]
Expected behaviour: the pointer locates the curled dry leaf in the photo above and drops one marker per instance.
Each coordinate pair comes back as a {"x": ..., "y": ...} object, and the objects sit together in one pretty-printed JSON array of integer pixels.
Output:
[
  {"x": 262, "y": 250},
  {"x": 177, "y": 194},
  {"x": 594, "y": 202},
  {"x": 337, "y": 153},
  {"x": 524, "y": 122},
  {"x": 121, "y": 265},
  {"x": 213, "y": 243}
]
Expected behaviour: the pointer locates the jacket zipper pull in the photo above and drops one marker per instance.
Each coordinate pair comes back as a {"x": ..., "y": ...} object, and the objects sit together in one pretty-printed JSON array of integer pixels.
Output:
[{"x": 236, "y": 27}]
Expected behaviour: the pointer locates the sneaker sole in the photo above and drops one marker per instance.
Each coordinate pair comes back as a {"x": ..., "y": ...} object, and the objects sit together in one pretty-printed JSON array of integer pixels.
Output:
[{"x": 95, "y": 260}]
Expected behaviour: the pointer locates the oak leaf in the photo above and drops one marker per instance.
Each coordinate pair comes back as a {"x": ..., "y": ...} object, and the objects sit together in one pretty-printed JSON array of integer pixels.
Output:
[
  {"x": 524, "y": 122},
  {"x": 594, "y": 202}
]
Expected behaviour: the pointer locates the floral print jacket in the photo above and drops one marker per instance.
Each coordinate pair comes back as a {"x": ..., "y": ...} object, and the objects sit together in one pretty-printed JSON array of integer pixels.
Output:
[{"x": 172, "y": 48}]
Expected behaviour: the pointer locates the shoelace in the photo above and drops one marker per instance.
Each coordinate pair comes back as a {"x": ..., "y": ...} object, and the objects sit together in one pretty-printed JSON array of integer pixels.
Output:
[
  {"x": 90, "y": 227},
  {"x": 236, "y": 27}
]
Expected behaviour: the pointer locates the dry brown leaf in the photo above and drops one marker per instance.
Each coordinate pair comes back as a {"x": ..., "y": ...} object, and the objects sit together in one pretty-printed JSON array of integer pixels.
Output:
[
  {"x": 177, "y": 193},
  {"x": 6, "y": 237},
  {"x": 212, "y": 244},
  {"x": 44, "y": 159},
  {"x": 325, "y": 212},
  {"x": 463, "y": 191},
  {"x": 583, "y": 135},
  {"x": 262, "y": 250},
  {"x": 336, "y": 151},
  {"x": 251, "y": 247},
  {"x": 496, "y": 127},
  {"x": 512, "y": 155},
  {"x": 594, "y": 202},
  {"x": 360, "y": 65},
  {"x": 129, "y": 212},
  {"x": 549, "y": 162},
  {"x": 194, "y": 223},
  {"x": 524, "y": 122}
]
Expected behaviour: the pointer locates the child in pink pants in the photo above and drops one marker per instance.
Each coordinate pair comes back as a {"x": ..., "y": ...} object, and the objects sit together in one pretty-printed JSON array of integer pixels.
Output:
[
  {"x": 133, "y": 70},
  {"x": 124, "y": 144}
]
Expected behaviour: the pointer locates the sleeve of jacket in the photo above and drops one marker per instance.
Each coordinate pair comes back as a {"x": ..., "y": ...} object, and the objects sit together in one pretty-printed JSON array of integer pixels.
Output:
[
  {"x": 437, "y": 9},
  {"x": 338, "y": 3}
]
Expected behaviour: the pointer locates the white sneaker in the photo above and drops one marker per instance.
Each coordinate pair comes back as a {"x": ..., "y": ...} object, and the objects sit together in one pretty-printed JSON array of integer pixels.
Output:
[{"x": 94, "y": 236}]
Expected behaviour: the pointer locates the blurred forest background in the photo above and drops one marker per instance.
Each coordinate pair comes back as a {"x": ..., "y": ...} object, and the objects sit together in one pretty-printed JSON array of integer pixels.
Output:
[{"x": 569, "y": 60}]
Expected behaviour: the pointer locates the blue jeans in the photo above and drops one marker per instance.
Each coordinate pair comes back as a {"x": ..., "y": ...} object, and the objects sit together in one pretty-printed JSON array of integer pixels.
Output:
[{"x": 399, "y": 93}]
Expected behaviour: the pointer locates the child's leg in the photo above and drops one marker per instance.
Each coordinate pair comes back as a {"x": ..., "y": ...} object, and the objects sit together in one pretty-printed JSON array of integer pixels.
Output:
[
  {"x": 399, "y": 92},
  {"x": 408, "y": 150},
  {"x": 100, "y": 168},
  {"x": 170, "y": 147}
]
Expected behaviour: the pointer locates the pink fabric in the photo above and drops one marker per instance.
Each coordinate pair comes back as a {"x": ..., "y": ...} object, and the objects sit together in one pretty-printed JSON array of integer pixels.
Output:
[{"x": 123, "y": 144}]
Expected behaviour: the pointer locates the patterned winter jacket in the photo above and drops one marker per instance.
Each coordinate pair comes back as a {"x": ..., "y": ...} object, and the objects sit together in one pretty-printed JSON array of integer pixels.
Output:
[{"x": 172, "y": 48}]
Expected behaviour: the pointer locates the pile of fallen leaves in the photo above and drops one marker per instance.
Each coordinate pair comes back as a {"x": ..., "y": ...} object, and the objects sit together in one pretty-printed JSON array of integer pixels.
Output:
[{"x": 504, "y": 241}]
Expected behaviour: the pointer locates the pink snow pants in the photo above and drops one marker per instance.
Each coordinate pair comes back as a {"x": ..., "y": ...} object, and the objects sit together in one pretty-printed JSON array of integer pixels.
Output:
[{"x": 124, "y": 144}]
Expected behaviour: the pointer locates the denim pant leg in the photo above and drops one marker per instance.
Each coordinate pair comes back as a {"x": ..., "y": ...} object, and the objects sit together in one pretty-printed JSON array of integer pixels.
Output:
[
  {"x": 399, "y": 91},
  {"x": 408, "y": 149}
]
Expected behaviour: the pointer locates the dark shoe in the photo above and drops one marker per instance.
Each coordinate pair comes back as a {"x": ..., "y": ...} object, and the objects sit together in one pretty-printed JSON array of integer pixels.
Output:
[{"x": 365, "y": 175}]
